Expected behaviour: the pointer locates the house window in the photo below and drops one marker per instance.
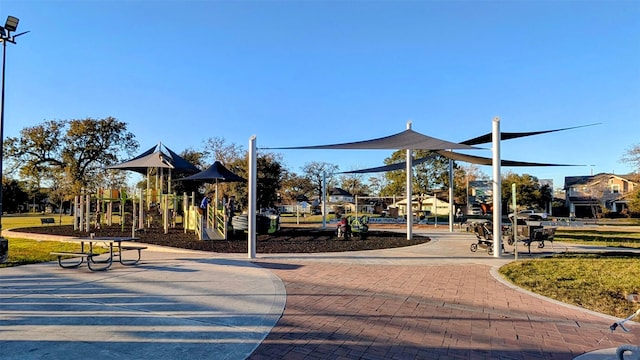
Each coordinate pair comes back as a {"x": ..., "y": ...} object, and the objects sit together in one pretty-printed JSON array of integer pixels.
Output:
[{"x": 615, "y": 189}]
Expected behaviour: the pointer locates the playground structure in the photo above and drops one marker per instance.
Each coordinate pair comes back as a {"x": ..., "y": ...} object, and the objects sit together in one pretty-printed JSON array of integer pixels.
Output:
[
  {"x": 147, "y": 209},
  {"x": 159, "y": 202}
]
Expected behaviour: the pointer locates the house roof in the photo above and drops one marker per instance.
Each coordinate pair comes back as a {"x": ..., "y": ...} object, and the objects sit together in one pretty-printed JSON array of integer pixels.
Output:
[
  {"x": 340, "y": 192},
  {"x": 589, "y": 179}
]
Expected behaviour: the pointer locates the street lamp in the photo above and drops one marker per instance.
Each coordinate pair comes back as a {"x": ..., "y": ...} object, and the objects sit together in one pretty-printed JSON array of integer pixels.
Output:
[{"x": 10, "y": 26}]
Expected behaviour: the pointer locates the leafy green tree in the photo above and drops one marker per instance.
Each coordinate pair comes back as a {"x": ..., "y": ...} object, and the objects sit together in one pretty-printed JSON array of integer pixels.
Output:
[
  {"x": 634, "y": 203},
  {"x": 75, "y": 149},
  {"x": 632, "y": 157},
  {"x": 269, "y": 180},
  {"x": 431, "y": 175},
  {"x": 529, "y": 192},
  {"x": 14, "y": 196},
  {"x": 294, "y": 186}
]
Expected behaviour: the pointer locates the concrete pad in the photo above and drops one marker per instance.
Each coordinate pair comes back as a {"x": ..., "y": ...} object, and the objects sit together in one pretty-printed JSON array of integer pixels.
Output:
[{"x": 171, "y": 306}]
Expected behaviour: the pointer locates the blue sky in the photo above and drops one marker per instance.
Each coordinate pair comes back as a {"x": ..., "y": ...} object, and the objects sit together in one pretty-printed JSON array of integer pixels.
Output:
[{"x": 318, "y": 72}]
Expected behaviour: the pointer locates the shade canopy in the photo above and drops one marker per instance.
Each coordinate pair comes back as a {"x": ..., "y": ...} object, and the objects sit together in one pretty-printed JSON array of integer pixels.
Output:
[
  {"x": 407, "y": 139},
  {"x": 487, "y": 138},
  {"x": 478, "y": 160},
  {"x": 215, "y": 173},
  {"x": 158, "y": 156}
]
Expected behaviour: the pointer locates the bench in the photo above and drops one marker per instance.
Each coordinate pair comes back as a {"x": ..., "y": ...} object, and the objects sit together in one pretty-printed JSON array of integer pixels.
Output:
[
  {"x": 126, "y": 248},
  {"x": 44, "y": 221},
  {"x": 82, "y": 255}
]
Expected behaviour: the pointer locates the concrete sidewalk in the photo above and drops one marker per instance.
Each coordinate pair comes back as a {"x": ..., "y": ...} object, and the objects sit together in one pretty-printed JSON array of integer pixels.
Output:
[
  {"x": 174, "y": 305},
  {"x": 432, "y": 301}
]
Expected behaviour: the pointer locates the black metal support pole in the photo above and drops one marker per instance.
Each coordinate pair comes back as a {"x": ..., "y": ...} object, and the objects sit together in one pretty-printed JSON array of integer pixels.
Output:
[{"x": 4, "y": 243}]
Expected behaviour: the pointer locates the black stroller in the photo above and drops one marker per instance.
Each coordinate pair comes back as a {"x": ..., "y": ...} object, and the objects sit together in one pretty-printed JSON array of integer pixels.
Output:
[{"x": 484, "y": 234}]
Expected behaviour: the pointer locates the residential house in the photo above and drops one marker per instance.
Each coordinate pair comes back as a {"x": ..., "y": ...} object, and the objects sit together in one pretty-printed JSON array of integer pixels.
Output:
[
  {"x": 341, "y": 201},
  {"x": 340, "y": 196},
  {"x": 424, "y": 205},
  {"x": 589, "y": 196}
]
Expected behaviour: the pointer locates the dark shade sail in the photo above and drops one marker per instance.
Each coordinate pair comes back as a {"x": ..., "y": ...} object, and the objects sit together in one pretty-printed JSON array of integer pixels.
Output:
[
  {"x": 453, "y": 156},
  {"x": 407, "y": 139},
  {"x": 487, "y": 138},
  {"x": 214, "y": 173},
  {"x": 489, "y": 161},
  {"x": 392, "y": 167}
]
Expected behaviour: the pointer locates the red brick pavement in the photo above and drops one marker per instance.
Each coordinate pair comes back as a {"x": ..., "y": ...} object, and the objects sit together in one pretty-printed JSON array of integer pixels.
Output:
[{"x": 342, "y": 311}]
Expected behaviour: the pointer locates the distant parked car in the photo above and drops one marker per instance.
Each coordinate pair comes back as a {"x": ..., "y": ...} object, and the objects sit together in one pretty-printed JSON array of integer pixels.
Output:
[{"x": 542, "y": 215}]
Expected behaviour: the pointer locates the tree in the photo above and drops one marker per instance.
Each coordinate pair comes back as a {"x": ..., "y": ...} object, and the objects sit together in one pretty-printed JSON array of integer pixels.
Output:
[
  {"x": 634, "y": 203},
  {"x": 463, "y": 176},
  {"x": 217, "y": 148},
  {"x": 529, "y": 192},
  {"x": 269, "y": 180},
  {"x": 14, "y": 196},
  {"x": 353, "y": 184},
  {"x": 294, "y": 186},
  {"x": 632, "y": 157},
  {"x": 315, "y": 171},
  {"x": 75, "y": 149},
  {"x": 376, "y": 183},
  {"x": 432, "y": 174}
]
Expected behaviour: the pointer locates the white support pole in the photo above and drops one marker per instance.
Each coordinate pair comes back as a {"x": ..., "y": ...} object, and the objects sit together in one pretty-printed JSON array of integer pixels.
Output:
[
  {"x": 165, "y": 213},
  {"x": 324, "y": 200},
  {"x": 185, "y": 212},
  {"x": 253, "y": 179},
  {"x": 87, "y": 204},
  {"x": 133, "y": 216},
  {"x": 141, "y": 210},
  {"x": 497, "y": 191},
  {"x": 409, "y": 189},
  {"x": 81, "y": 212},
  {"x": 435, "y": 210},
  {"x": 451, "y": 202},
  {"x": 514, "y": 224},
  {"x": 356, "y": 206},
  {"x": 76, "y": 216}
]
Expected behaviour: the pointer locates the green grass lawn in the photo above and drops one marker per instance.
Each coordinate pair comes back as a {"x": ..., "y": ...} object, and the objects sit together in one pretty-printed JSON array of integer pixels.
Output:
[
  {"x": 12, "y": 221},
  {"x": 24, "y": 251},
  {"x": 596, "y": 282},
  {"x": 613, "y": 238}
]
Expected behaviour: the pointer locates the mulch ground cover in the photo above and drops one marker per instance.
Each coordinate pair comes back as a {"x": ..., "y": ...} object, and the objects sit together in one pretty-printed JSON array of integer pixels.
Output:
[{"x": 286, "y": 240}]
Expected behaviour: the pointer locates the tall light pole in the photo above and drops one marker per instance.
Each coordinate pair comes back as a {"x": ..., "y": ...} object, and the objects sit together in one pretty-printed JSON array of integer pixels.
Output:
[{"x": 10, "y": 26}]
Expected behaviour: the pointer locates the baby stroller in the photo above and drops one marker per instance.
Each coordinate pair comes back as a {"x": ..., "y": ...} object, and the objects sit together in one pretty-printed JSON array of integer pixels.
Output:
[
  {"x": 343, "y": 229},
  {"x": 483, "y": 233}
]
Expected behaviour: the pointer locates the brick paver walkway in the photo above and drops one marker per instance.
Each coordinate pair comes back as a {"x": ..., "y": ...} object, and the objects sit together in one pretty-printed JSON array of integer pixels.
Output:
[{"x": 337, "y": 310}]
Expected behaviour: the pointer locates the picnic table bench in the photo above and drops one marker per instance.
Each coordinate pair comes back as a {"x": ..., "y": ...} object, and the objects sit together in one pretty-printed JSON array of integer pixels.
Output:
[
  {"x": 90, "y": 255},
  {"x": 82, "y": 255}
]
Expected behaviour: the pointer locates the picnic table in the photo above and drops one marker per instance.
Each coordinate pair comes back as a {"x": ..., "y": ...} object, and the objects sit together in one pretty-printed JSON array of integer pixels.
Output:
[{"x": 98, "y": 261}]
